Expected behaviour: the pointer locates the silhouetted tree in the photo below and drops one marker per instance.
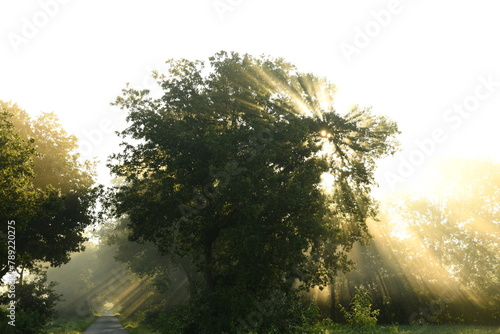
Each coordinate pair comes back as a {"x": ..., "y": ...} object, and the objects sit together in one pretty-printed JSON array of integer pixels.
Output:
[{"x": 226, "y": 167}]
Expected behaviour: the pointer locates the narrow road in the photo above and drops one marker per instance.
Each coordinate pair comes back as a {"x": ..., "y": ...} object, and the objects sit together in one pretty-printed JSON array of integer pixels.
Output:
[{"x": 106, "y": 325}]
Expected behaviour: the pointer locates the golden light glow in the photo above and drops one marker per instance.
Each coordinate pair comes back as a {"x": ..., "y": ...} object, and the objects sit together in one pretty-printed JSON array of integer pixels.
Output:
[
  {"x": 399, "y": 230},
  {"x": 325, "y": 134},
  {"x": 436, "y": 238}
]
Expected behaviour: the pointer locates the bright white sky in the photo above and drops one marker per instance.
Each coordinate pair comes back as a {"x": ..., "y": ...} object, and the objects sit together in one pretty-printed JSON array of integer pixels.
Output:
[{"x": 419, "y": 59}]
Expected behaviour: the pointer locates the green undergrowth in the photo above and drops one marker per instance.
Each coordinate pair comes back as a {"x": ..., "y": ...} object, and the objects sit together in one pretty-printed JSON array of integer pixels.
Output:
[
  {"x": 403, "y": 329},
  {"x": 450, "y": 329},
  {"x": 133, "y": 324},
  {"x": 70, "y": 325}
]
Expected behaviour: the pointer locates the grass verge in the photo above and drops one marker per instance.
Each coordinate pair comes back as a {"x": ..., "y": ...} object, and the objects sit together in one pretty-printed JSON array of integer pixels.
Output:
[
  {"x": 449, "y": 329},
  {"x": 70, "y": 325},
  {"x": 405, "y": 329},
  {"x": 133, "y": 325}
]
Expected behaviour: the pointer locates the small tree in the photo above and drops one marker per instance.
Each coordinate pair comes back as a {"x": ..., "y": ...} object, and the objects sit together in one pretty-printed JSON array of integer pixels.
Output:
[{"x": 361, "y": 316}]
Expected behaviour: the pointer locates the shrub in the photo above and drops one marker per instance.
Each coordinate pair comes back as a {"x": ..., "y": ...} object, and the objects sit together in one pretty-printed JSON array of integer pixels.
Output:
[
  {"x": 361, "y": 317},
  {"x": 35, "y": 304}
]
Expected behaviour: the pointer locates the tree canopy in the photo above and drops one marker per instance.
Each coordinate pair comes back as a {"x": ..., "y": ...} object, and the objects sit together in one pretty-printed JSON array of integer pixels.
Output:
[
  {"x": 16, "y": 157},
  {"x": 226, "y": 167},
  {"x": 45, "y": 188}
]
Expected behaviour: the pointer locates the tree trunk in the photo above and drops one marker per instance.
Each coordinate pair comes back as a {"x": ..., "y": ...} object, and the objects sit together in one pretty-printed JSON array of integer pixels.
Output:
[
  {"x": 21, "y": 274},
  {"x": 190, "y": 275},
  {"x": 334, "y": 311},
  {"x": 207, "y": 270}
]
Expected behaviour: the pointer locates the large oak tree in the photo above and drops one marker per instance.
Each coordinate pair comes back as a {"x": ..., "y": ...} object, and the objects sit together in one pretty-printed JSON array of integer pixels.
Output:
[{"x": 225, "y": 168}]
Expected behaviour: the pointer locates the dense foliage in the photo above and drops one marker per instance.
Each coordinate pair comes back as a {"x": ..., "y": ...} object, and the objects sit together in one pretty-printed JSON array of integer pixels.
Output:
[
  {"x": 52, "y": 194},
  {"x": 225, "y": 169},
  {"x": 49, "y": 194}
]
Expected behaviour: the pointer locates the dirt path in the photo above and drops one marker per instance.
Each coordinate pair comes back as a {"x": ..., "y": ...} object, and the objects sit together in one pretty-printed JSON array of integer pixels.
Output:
[{"x": 106, "y": 325}]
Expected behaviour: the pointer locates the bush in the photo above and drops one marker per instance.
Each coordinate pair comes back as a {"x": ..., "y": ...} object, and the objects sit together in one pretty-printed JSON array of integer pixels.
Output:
[
  {"x": 27, "y": 322},
  {"x": 277, "y": 312},
  {"x": 35, "y": 305},
  {"x": 166, "y": 321},
  {"x": 361, "y": 317}
]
